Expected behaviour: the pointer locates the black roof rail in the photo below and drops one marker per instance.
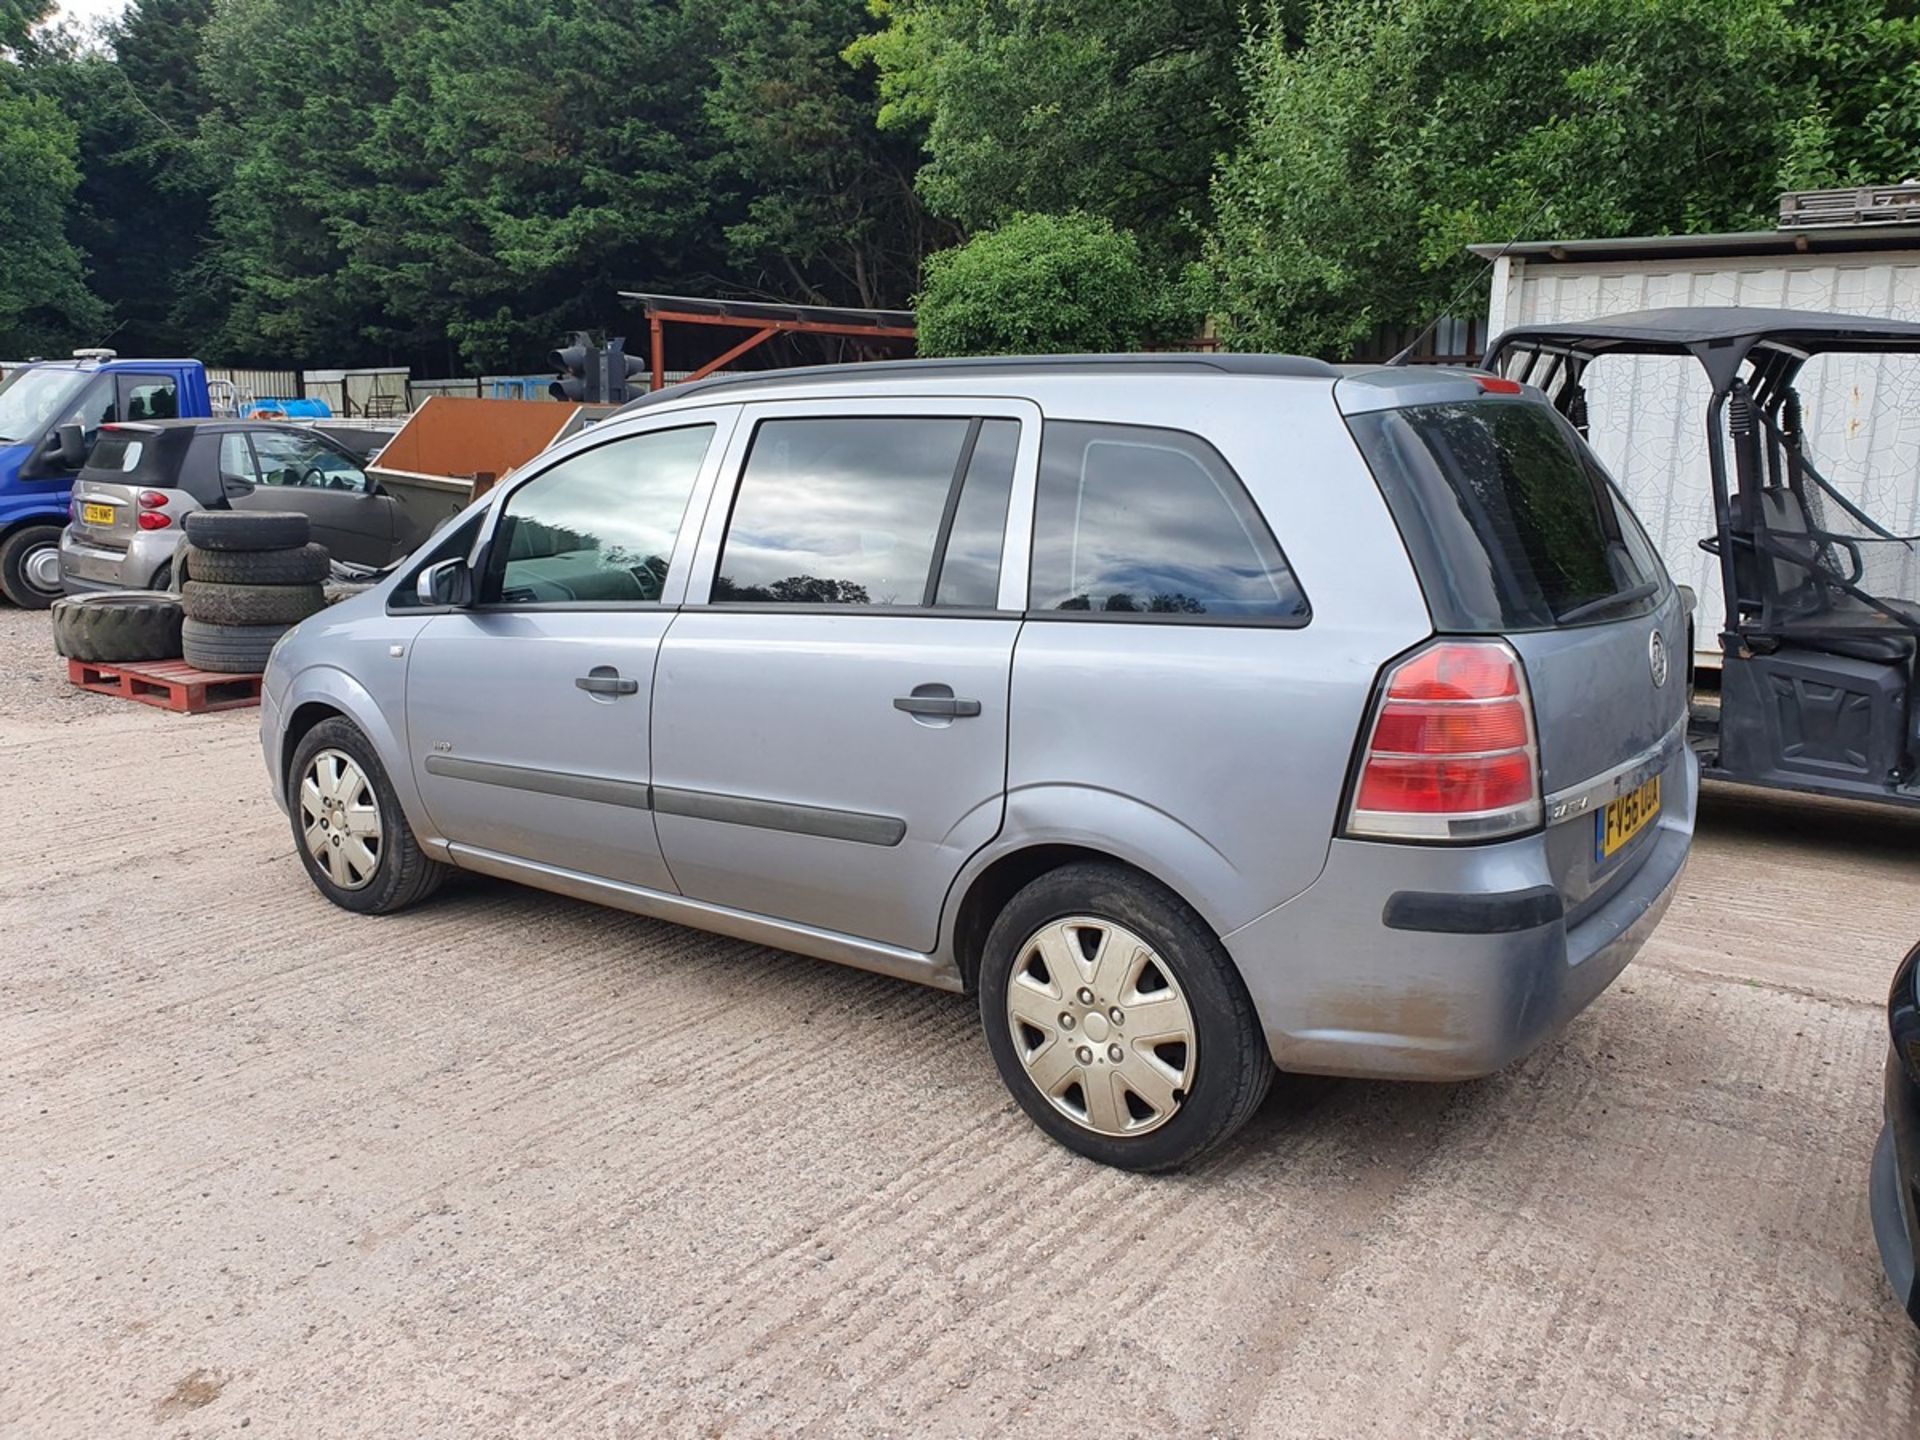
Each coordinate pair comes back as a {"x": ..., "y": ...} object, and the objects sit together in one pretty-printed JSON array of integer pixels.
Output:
[{"x": 1287, "y": 366}]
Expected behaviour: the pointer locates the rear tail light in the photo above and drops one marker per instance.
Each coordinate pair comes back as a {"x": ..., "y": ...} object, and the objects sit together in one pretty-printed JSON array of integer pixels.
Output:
[
  {"x": 154, "y": 520},
  {"x": 1451, "y": 752},
  {"x": 152, "y": 499}
]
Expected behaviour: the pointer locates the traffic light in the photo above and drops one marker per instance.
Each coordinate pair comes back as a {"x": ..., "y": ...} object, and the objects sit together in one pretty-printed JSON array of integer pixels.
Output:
[
  {"x": 593, "y": 374},
  {"x": 620, "y": 368},
  {"x": 578, "y": 364}
]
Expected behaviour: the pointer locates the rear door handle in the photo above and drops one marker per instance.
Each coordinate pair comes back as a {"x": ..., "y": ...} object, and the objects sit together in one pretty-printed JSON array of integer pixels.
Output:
[
  {"x": 944, "y": 705},
  {"x": 605, "y": 680}
]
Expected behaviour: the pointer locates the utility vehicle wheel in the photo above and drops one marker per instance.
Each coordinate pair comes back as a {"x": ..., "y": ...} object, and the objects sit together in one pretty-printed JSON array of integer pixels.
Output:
[
  {"x": 117, "y": 625},
  {"x": 348, "y": 826},
  {"x": 247, "y": 529},
  {"x": 30, "y": 566},
  {"x": 1118, "y": 1021}
]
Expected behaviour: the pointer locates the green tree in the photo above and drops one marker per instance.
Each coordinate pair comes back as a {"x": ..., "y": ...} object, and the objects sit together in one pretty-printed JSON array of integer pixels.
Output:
[
  {"x": 453, "y": 183},
  {"x": 1114, "y": 107},
  {"x": 830, "y": 213},
  {"x": 1403, "y": 130},
  {"x": 44, "y": 302},
  {"x": 141, "y": 214},
  {"x": 1048, "y": 284}
]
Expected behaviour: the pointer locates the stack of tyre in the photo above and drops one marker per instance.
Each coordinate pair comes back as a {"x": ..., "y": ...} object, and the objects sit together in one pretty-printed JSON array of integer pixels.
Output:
[{"x": 247, "y": 579}]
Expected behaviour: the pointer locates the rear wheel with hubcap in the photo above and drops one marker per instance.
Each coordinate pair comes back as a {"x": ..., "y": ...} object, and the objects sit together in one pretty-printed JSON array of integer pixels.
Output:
[
  {"x": 1118, "y": 1020},
  {"x": 355, "y": 842}
]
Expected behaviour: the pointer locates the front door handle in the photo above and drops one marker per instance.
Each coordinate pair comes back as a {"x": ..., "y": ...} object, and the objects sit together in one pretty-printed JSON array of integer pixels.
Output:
[
  {"x": 605, "y": 680},
  {"x": 942, "y": 705}
]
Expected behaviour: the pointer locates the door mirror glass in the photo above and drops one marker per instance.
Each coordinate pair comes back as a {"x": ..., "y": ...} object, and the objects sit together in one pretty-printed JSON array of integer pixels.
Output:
[{"x": 448, "y": 583}]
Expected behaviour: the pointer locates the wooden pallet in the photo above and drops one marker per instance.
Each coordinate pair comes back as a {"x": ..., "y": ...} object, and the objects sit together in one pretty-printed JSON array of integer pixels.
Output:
[{"x": 169, "y": 684}]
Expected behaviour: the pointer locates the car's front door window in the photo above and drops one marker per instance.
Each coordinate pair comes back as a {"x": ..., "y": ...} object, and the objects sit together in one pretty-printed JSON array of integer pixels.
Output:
[
  {"x": 236, "y": 461},
  {"x": 304, "y": 462},
  {"x": 599, "y": 526}
]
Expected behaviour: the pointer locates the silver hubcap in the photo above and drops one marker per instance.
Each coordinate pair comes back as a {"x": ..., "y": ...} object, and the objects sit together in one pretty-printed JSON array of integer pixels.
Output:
[
  {"x": 1101, "y": 1026},
  {"x": 42, "y": 568},
  {"x": 339, "y": 819}
]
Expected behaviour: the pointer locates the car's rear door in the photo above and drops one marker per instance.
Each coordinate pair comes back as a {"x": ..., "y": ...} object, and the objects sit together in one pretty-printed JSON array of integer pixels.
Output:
[
  {"x": 830, "y": 718},
  {"x": 528, "y": 713}
]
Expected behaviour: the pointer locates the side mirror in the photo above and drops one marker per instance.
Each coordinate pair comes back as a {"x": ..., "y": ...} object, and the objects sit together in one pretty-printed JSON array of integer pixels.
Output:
[
  {"x": 448, "y": 583},
  {"x": 68, "y": 445}
]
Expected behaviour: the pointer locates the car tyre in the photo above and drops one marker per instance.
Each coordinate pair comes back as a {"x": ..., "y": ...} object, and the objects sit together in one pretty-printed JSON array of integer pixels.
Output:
[
  {"x": 247, "y": 529},
  {"x": 386, "y": 870},
  {"x": 30, "y": 566},
  {"x": 229, "y": 649},
  {"x": 251, "y": 604},
  {"x": 117, "y": 626},
  {"x": 1075, "y": 959},
  {"x": 307, "y": 565}
]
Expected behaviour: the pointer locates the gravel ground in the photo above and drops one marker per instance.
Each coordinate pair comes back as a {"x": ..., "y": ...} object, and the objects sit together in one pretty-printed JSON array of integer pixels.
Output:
[{"x": 512, "y": 1165}]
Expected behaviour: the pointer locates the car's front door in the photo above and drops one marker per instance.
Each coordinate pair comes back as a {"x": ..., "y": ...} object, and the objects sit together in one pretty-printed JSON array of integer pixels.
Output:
[
  {"x": 527, "y": 714},
  {"x": 830, "y": 719},
  {"x": 300, "y": 471}
]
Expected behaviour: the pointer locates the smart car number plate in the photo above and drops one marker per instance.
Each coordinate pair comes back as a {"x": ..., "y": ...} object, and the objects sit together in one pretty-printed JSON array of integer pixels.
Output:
[
  {"x": 97, "y": 514},
  {"x": 1626, "y": 817}
]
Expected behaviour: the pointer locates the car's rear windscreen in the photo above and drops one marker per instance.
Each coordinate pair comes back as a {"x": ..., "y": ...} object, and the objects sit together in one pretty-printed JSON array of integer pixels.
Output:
[{"x": 1511, "y": 522}]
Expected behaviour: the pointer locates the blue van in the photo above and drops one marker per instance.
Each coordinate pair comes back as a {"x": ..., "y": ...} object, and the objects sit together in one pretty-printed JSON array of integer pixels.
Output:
[{"x": 50, "y": 413}]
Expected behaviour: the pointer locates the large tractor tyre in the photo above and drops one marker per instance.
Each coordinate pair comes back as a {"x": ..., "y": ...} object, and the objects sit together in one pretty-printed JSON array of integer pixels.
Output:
[
  {"x": 229, "y": 649},
  {"x": 117, "y": 626},
  {"x": 30, "y": 566},
  {"x": 247, "y": 530},
  {"x": 307, "y": 565},
  {"x": 250, "y": 604}
]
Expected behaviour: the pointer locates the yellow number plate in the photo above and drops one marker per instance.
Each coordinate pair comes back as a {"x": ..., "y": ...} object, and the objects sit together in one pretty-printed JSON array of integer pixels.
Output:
[
  {"x": 1627, "y": 817},
  {"x": 97, "y": 514}
]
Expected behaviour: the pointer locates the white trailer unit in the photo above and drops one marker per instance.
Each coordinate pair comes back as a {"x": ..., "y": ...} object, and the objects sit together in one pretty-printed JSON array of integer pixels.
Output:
[{"x": 1648, "y": 415}]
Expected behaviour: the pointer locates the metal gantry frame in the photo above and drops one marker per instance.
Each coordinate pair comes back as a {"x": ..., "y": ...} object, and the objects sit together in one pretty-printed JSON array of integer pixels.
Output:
[{"x": 764, "y": 319}]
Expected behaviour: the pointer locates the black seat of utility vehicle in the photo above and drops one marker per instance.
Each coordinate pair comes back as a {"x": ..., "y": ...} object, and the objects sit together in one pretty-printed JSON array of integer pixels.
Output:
[{"x": 1812, "y": 618}]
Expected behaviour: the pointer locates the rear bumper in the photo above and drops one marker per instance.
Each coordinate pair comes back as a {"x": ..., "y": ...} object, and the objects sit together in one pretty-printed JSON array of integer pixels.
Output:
[
  {"x": 85, "y": 568},
  {"x": 1441, "y": 963}
]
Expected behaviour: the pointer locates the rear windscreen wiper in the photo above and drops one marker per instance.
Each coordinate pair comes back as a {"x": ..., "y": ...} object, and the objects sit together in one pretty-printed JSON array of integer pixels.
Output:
[{"x": 1644, "y": 591}]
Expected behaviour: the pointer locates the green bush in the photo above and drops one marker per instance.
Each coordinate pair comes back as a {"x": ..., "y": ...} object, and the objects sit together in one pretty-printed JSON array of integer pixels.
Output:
[{"x": 1048, "y": 285}]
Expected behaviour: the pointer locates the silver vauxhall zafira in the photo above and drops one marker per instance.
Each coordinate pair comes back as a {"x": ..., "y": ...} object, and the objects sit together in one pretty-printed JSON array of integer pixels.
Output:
[{"x": 1205, "y": 714}]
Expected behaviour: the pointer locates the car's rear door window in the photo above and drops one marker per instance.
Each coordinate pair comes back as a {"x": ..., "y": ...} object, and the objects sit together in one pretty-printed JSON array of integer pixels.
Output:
[
  {"x": 1510, "y": 521},
  {"x": 870, "y": 511},
  {"x": 1151, "y": 524},
  {"x": 600, "y": 526},
  {"x": 968, "y": 573}
]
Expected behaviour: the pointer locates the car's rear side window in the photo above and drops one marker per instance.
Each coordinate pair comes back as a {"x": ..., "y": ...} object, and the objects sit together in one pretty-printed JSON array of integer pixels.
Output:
[
  {"x": 1510, "y": 521},
  {"x": 1152, "y": 524}
]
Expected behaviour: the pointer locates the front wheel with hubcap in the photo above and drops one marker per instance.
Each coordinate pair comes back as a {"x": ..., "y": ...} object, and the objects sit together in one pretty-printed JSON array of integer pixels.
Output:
[
  {"x": 1118, "y": 1020},
  {"x": 355, "y": 842},
  {"x": 30, "y": 566}
]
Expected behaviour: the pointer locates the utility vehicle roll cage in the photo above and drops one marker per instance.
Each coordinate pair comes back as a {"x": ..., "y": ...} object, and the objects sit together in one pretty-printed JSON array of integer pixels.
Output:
[{"x": 1786, "y": 573}]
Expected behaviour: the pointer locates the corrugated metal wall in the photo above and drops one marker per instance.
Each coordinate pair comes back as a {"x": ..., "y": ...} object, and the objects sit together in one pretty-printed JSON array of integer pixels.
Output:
[{"x": 1649, "y": 414}]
